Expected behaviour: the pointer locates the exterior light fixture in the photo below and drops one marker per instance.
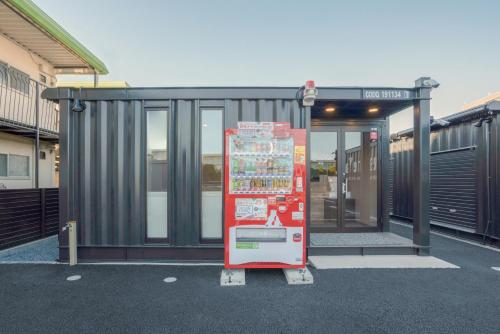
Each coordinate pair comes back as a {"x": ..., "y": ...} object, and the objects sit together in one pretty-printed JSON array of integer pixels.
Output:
[
  {"x": 330, "y": 109},
  {"x": 374, "y": 109}
]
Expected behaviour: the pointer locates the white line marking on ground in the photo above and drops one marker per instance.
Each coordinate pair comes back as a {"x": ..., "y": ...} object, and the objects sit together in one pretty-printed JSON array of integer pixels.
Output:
[
  {"x": 496, "y": 268},
  {"x": 454, "y": 238},
  {"x": 170, "y": 279},
  {"x": 73, "y": 278},
  {"x": 152, "y": 264},
  {"x": 30, "y": 262},
  {"x": 120, "y": 263},
  {"x": 379, "y": 262}
]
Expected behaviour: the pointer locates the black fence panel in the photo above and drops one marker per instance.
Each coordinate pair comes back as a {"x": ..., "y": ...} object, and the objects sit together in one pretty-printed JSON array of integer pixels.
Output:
[{"x": 27, "y": 215}]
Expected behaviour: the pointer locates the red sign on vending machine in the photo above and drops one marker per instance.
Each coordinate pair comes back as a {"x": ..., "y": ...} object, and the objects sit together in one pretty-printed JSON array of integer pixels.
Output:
[{"x": 265, "y": 200}]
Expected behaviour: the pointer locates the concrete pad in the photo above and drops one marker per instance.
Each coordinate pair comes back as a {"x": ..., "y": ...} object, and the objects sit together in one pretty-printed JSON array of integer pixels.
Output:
[
  {"x": 496, "y": 268},
  {"x": 379, "y": 261},
  {"x": 231, "y": 277},
  {"x": 298, "y": 276}
]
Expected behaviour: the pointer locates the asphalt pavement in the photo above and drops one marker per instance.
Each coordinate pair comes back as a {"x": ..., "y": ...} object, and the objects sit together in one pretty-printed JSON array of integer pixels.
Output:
[{"x": 36, "y": 298}]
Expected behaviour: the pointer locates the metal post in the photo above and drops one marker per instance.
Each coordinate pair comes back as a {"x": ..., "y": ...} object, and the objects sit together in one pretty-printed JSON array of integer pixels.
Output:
[
  {"x": 72, "y": 243},
  {"x": 37, "y": 135},
  {"x": 43, "y": 218},
  {"x": 421, "y": 167}
]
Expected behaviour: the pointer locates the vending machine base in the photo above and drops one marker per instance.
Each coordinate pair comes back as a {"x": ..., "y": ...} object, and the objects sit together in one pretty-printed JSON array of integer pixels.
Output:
[
  {"x": 298, "y": 276},
  {"x": 232, "y": 277}
]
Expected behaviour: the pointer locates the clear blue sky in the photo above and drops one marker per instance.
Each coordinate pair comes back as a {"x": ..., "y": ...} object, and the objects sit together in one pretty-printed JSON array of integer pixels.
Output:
[{"x": 336, "y": 43}]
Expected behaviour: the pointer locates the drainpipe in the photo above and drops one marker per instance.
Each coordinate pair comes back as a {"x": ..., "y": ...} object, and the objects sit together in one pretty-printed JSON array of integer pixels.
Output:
[
  {"x": 96, "y": 79},
  {"x": 488, "y": 121},
  {"x": 37, "y": 135}
]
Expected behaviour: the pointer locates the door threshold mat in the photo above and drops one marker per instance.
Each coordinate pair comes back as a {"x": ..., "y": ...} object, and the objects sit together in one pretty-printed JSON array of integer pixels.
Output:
[{"x": 379, "y": 262}]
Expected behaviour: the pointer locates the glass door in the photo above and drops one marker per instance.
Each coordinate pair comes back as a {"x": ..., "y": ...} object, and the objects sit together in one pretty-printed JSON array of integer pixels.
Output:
[
  {"x": 324, "y": 188},
  {"x": 360, "y": 180},
  {"x": 344, "y": 179}
]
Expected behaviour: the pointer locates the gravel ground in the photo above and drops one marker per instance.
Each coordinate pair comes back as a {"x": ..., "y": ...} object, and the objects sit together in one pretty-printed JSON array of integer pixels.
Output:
[{"x": 44, "y": 250}]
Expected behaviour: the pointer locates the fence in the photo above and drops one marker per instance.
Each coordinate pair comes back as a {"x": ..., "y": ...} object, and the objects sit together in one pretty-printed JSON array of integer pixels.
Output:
[
  {"x": 18, "y": 98},
  {"x": 27, "y": 215}
]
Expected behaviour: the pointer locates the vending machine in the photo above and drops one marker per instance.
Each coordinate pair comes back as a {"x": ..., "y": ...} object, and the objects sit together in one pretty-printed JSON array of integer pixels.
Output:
[{"x": 265, "y": 196}]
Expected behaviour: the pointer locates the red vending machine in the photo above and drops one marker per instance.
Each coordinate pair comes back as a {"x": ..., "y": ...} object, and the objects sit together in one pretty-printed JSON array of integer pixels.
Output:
[{"x": 265, "y": 196}]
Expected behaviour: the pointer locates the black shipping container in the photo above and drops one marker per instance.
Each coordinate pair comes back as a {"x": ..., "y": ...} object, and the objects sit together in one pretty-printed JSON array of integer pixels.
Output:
[{"x": 464, "y": 171}]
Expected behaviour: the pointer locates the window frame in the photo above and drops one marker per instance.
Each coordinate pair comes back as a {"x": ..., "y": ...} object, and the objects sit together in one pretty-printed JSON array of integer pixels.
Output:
[
  {"x": 200, "y": 191},
  {"x": 21, "y": 76},
  {"x": 170, "y": 210},
  {"x": 4, "y": 73},
  {"x": 10, "y": 177}
]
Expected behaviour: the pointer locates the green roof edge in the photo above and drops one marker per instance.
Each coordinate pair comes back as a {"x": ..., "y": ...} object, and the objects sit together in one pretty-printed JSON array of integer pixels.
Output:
[{"x": 45, "y": 22}]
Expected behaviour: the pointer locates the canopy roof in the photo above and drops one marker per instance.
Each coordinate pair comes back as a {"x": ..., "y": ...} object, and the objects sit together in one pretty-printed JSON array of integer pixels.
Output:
[{"x": 26, "y": 24}]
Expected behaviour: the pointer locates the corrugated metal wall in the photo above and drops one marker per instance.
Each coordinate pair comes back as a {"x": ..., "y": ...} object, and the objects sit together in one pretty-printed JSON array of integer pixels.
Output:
[
  {"x": 465, "y": 182},
  {"x": 103, "y": 153}
]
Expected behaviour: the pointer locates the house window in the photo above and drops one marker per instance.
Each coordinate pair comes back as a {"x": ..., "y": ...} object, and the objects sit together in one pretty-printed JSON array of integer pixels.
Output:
[
  {"x": 19, "y": 165},
  {"x": 19, "y": 80},
  {"x": 14, "y": 165},
  {"x": 3, "y": 164},
  {"x": 3, "y": 74},
  {"x": 43, "y": 155},
  {"x": 212, "y": 130}
]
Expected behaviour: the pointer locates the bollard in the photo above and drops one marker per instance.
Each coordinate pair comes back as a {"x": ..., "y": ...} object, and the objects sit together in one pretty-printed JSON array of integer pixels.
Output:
[{"x": 72, "y": 243}]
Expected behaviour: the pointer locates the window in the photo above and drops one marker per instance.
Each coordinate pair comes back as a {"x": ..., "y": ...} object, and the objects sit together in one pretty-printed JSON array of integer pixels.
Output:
[
  {"x": 19, "y": 80},
  {"x": 157, "y": 174},
  {"x": 19, "y": 165},
  {"x": 3, "y": 74},
  {"x": 3, "y": 164},
  {"x": 43, "y": 155},
  {"x": 211, "y": 174},
  {"x": 13, "y": 165}
]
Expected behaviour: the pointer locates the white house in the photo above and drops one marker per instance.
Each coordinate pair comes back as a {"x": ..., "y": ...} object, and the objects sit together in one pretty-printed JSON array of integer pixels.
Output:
[{"x": 33, "y": 50}]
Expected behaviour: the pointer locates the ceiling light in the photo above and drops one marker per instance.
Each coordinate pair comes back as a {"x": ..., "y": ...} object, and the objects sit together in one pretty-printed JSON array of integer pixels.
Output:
[
  {"x": 330, "y": 109},
  {"x": 374, "y": 109}
]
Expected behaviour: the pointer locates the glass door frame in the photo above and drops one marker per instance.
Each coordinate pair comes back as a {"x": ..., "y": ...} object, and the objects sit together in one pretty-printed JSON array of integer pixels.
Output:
[{"x": 341, "y": 129}]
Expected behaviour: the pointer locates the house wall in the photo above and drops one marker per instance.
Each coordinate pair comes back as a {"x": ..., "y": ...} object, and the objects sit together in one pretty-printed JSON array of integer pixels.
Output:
[
  {"x": 12, "y": 144},
  {"x": 16, "y": 56},
  {"x": 21, "y": 59}
]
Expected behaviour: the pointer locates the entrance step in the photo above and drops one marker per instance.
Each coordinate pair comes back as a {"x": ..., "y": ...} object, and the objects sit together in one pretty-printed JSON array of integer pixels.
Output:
[
  {"x": 379, "y": 262},
  {"x": 378, "y": 243},
  {"x": 363, "y": 250}
]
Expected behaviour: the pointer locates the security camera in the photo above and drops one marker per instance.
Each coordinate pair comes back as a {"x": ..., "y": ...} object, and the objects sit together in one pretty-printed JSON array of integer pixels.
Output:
[{"x": 430, "y": 83}]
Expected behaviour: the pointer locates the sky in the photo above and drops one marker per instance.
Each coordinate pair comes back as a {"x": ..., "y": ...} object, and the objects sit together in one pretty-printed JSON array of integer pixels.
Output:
[{"x": 284, "y": 43}]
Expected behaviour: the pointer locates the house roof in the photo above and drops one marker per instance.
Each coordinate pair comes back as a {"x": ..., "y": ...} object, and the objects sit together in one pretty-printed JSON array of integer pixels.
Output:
[
  {"x": 482, "y": 101},
  {"x": 90, "y": 84},
  {"x": 26, "y": 24}
]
